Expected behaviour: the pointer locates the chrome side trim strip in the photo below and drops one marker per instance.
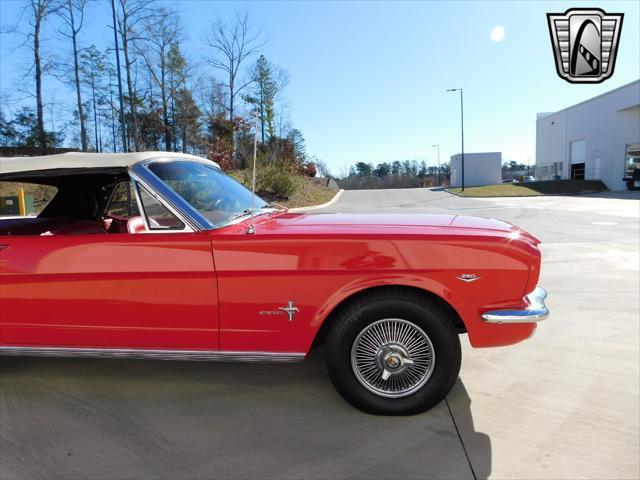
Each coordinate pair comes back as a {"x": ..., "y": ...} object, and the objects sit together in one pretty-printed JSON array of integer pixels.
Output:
[
  {"x": 536, "y": 312},
  {"x": 192, "y": 355}
]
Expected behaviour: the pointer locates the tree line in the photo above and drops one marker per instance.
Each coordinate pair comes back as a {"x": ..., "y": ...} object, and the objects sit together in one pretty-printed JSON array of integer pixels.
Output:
[
  {"x": 141, "y": 92},
  {"x": 414, "y": 174},
  {"x": 397, "y": 174}
]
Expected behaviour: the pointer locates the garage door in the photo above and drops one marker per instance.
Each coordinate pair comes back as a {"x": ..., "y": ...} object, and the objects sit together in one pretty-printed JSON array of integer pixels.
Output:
[
  {"x": 578, "y": 151},
  {"x": 578, "y": 155}
]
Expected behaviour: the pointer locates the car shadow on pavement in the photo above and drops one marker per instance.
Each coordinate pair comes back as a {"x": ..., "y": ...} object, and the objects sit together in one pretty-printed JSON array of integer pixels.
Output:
[
  {"x": 79, "y": 418},
  {"x": 477, "y": 445}
]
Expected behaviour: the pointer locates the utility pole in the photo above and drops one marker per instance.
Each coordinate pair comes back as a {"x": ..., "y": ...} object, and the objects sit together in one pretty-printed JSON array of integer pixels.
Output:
[
  {"x": 438, "y": 146},
  {"x": 461, "y": 128}
]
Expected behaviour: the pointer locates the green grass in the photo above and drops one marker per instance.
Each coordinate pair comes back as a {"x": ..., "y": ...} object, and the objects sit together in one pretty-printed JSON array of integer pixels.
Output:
[
  {"x": 555, "y": 187},
  {"x": 41, "y": 194},
  {"x": 309, "y": 191}
]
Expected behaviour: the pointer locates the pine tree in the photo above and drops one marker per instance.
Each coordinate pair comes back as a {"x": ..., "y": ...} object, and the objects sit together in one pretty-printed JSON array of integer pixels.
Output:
[
  {"x": 93, "y": 66},
  {"x": 267, "y": 83},
  {"x": 187, "y": 119},
  {"x": 177, "y": 72}
]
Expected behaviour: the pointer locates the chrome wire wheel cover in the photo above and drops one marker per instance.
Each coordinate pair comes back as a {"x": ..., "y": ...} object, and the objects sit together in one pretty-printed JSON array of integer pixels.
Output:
[{"x": 392, "y": 358}]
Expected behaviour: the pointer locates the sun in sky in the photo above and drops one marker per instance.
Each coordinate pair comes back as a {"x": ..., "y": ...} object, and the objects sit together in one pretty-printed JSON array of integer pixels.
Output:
[{"x": 497, "y": 33}]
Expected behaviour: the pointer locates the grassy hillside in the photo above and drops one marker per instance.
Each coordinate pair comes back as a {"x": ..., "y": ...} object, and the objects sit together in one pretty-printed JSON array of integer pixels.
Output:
[
  {"x": 308, "y": 191},
  {"x": 39, "y": 194},
  {"x": 556, "y": 187}
]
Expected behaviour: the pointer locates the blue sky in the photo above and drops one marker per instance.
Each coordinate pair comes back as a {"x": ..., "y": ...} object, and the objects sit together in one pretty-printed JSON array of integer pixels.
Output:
[{"x": 368, "y": 79}]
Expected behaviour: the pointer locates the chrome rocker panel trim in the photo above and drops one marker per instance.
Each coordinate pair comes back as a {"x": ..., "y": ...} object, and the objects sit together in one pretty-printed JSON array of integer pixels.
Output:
[
  {"x": 535, "y": 312},
  {"x": 192, "y": 355}
]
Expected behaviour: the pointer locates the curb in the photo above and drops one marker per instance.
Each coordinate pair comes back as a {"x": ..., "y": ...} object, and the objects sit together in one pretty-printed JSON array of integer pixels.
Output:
[{"x": 335, "y": 198}]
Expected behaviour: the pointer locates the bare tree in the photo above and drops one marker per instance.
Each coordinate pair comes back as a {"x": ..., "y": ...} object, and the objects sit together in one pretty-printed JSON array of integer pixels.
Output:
[
  {"x": 131, "y": 13},
  {"x": 323, "y": 168},
  {"x": 72, "y": 12},
  {"x": 211, "y": 97},
  {"x": 161, "y": 32},
  {"x": 232, "y": 44},
  {"x": 41, "y": 9},
  {"x": 123, "y": 126}
]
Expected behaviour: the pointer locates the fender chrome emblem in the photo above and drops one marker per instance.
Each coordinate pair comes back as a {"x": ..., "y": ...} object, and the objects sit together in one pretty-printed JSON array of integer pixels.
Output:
[
  {"x": 290, "y": 310},
  {"x": 468, "y": 277}
]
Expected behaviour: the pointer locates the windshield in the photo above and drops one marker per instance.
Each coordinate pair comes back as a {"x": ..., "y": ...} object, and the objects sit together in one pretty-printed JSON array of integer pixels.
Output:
[{"x": 217, "y": 196}]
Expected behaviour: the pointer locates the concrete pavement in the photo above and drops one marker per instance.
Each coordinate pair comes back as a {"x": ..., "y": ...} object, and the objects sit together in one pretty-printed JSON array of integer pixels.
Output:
[
  {"x": 564, "y": 404},
  {"x": 111, "y": 419}
]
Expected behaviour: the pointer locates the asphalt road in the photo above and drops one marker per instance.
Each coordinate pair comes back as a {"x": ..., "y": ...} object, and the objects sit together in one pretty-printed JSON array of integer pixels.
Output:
[{"x": 564, "y": 404}]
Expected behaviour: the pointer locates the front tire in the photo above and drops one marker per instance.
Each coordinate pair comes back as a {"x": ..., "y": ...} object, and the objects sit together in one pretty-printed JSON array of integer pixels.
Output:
[{"x": 393, "y": 353}]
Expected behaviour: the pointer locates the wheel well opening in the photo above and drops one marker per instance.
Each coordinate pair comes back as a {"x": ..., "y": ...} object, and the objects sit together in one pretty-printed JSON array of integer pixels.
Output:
[{"x": 335, "y": 313}]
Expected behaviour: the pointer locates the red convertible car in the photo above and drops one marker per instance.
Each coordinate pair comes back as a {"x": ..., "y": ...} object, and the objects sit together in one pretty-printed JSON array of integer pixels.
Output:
[{"x": 164, "y": 256}]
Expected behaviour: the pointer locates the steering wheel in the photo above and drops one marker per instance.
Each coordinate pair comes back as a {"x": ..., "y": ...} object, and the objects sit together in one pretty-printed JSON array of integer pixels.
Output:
[{"x": 219, "y": 204}]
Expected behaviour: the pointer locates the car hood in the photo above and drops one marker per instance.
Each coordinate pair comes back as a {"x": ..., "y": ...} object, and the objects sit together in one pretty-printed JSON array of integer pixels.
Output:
[{"x": 328, "y": 223}]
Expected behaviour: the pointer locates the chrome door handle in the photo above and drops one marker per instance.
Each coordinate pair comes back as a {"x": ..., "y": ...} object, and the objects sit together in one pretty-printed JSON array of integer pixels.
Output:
[{"x": 3, "y": 246}]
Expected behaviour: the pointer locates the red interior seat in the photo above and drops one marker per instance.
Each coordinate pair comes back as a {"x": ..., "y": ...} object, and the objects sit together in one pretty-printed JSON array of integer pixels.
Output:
[
  {"x": 136, "y": 225},
  {"x": 80, "y": 228},
  {"x": 116, "y": 224}
]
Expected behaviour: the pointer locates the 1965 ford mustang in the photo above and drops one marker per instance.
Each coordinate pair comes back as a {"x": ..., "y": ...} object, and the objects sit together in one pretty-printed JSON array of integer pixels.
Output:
[{"x": 163, "y": 256}]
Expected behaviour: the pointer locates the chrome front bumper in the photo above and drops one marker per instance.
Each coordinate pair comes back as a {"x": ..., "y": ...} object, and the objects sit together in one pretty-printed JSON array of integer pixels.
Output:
[{"x": 535, "y": 312}]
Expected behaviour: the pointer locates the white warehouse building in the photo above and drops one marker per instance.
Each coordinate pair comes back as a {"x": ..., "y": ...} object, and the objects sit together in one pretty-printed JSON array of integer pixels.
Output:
[
  {"x": 479, "y": 169},
  {"x": 598, "y": 139}
]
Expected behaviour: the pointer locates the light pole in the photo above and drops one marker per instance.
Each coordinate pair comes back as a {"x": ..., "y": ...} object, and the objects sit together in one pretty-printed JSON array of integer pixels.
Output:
[
  {"x": 438, "y": 146},
  {"x": 461, "y": 128}
]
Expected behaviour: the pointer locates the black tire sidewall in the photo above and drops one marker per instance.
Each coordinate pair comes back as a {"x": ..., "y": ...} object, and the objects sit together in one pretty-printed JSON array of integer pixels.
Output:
[{"x": 430, "y": 319}]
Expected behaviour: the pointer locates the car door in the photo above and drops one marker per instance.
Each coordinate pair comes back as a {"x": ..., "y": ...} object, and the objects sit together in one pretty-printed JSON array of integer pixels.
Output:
[{"x": 153, "y": 290}]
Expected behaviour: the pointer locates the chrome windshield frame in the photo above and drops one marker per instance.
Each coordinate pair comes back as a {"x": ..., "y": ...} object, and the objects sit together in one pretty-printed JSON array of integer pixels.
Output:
[
  {"x": 137, "y": 187},
  {"x": 141, "y": 173}
]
